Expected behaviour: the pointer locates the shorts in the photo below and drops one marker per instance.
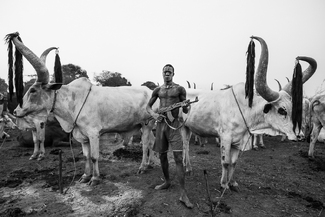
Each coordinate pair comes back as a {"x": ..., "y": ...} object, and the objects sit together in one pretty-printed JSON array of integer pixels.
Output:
[{"x": 166, "y": 136}]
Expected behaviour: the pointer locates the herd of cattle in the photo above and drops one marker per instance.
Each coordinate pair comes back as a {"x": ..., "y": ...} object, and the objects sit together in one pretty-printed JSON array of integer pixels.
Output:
[{"x": 88, "y": 111}]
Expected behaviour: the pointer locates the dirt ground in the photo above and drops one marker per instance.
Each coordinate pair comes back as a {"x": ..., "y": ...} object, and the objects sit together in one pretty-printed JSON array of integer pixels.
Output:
[{"x": 277, "y": 181}]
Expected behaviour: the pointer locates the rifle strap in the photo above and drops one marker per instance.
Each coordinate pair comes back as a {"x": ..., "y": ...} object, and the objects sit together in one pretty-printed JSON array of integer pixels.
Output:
[
  {"x": 170, "y": 116},
  {"x": 180, "y": 118}
]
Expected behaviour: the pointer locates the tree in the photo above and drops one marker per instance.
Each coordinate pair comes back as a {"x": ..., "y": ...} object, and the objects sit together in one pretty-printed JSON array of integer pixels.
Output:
[
  {"x": 150, "y": 85},
  {"x": 3, "y": 86},
  {"x": 71, "y": 72},
  {"x": 111, "y": 79}
]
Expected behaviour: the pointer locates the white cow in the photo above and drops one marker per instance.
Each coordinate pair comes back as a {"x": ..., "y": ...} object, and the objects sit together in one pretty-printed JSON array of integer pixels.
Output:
[
  {"x": 5, "y": 120},
  {"x": 86, "y": 110},
  {"x": 217, "y": 113},
  {"x": 317, "y": 108}
]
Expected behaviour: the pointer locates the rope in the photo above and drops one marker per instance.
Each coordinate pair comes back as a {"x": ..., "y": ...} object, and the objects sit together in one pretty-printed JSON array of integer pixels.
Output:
[
  {"x": 224, "y": 190},
  {"x": 70, "y": 141}
]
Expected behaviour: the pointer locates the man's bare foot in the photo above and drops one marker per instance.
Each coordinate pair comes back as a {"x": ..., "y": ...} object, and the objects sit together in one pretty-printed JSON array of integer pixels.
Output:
[
  {"x": 165, "y": 185},
  {"x": 184, "y": 199}
]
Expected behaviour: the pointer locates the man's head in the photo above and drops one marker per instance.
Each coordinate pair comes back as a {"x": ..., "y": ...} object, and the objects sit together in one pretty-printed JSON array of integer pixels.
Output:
[{"x": 168, "y": 72}]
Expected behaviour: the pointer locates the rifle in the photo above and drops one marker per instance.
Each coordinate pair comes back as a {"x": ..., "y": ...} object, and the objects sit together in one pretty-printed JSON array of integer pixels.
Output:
[{"x": 177, "y": 105}]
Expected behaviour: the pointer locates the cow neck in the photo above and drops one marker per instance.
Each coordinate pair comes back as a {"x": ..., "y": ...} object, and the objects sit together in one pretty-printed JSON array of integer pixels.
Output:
[
  {"x": 63, "y": 114},
  {"x": 75, "y": 121},
  {"x": 54, "y": 100},
  {"x": 232, "y": 90}
]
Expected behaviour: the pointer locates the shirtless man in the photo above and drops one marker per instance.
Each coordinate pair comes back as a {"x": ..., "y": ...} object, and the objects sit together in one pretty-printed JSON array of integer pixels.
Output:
[{"x": 168, "y": 132}]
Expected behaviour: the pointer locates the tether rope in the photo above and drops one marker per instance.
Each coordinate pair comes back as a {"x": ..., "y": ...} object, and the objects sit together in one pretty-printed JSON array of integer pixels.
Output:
[
  {"x": 70, "y": 141},
  {"x": 224, "y": 190}
]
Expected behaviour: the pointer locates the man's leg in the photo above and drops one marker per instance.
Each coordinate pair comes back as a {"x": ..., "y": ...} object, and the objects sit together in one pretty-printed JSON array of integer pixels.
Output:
[
  {"x": 180, "y": 173},
  {"x": 164, "y": 166}
]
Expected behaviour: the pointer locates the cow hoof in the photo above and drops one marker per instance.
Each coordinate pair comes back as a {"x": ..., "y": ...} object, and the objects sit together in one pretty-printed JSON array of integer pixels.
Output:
[
  {"x": 40, "y": 157},
  {"x": 189, "y": 172},
  {"x": 234, "y": 187},
  {"x": 262, "y": 146},
  {"x": 255, "y": 148},
  {"x": 84, "y": 179},
  {"x": 94, "y": 182},
  {"x": 33, "y": 157},
  {"x": 140, "y": 171}
]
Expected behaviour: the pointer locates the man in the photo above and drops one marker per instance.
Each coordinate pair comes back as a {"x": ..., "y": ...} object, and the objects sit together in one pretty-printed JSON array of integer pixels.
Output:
[{"x": 168, "y": 132}]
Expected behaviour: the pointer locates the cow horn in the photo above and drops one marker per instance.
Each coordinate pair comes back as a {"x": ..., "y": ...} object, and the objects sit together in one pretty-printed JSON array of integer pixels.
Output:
[
  {"x": 280, "y": 87},
  {"x": 260, "y": 78},
  {"x": 288, "y": 79},
  {"x": 37, "y": 63},
  {"x": 45, "y": 53},
  {"x": 212, "y": 86},
  {"x": 306, "y": 74},
  {"x": 188, "y": 84}
]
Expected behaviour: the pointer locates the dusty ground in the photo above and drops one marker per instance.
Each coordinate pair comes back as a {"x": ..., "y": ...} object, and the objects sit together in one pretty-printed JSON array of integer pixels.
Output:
[{"x": 277, "y": 181}]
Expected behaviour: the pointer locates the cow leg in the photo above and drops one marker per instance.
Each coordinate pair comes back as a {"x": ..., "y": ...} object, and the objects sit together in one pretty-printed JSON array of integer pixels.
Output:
[
  {"x": 186, "y": 135},
  {"x": 41, "y": 139},
  {"x": 234, "y": 156},
  {"x": 86, "y": 152},
  {"x": 130, "y": 141},
  {"x": 314, "y": 136},
  {"x": 205, "y": 141},
  {"x": 94, "y": 156},
  {"x": 196, "y": 140},
  {"x": 225, "y": 162},
  {"x": 262, "y": 141},
  {"x": 283, "y": 138},
  {"x": 255, "y": 138},
  {"x": 36, "y": 146},
  {"x": 145, "y": 138},
  {"x": 115, "y": 137},
  {"x": 218, "y": 141},
  {"x": 152, "y": 155}
]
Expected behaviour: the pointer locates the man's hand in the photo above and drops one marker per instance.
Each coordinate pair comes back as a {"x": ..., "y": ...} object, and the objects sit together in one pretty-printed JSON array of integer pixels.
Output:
[{"x": 158, "y": 117}]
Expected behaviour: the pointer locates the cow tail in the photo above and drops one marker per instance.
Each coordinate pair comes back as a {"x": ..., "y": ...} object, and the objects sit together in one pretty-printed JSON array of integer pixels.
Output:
[
  {"x": 297, "y": 95},
  {"x": 18, "y": 66},
  {"x": 57, "y": 68},
  {"x": 250, "y": 68}
]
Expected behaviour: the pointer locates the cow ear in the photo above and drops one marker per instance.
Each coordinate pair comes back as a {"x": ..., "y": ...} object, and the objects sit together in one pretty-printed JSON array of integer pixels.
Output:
[
  {"x": 53, "y": 86},
  {"x": 267, "y": 108}
]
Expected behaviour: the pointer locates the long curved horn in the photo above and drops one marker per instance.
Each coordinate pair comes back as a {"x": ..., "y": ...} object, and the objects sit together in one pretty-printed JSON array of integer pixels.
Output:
[
  {"x": 194, "y": 85},
  {"x": 189, "y": 85},
  {"x": 280, "y": 87},
  {"x": 288, "y": 79},
  {"x": 37, "y": 63},
  {"x": 260, "y": 78},
  {"x": 45, "y": 53},
  {"x": 306, "y": 74}
]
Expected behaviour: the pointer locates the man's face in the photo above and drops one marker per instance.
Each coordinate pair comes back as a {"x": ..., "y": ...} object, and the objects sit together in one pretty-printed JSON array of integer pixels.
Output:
[{"x": 168, "y": 76}]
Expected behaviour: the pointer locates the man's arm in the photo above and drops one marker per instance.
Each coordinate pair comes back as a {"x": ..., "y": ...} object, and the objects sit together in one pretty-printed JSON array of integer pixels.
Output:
[{"x": 182, "y": 97}]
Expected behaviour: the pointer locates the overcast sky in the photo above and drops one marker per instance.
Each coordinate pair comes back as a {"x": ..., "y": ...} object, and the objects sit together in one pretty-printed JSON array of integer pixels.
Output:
[{"x": 204, "y": 40}]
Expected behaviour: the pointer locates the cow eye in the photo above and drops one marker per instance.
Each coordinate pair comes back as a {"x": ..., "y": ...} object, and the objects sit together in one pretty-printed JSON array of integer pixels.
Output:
[
  {"x": 32, "y": 90},
  {"x": 282, "y": 111}
]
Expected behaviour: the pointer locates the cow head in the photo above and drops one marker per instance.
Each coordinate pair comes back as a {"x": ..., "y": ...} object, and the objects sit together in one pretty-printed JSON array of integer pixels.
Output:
[
  {"x": 39, "y": 98},
  {"x": 278, "y": 109}
]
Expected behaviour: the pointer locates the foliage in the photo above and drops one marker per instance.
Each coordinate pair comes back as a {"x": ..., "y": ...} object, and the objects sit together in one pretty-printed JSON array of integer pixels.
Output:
[
  {"x": 150, "y": 85},
  {"x": 111, "y": 79},
  {"x": 71, "y": 72},
  {"x": 3, "y": 85}
]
